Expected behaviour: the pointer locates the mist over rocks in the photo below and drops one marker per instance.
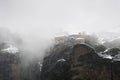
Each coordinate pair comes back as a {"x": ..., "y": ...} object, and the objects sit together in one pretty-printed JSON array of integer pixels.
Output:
[
  {"x": 27, "y": 50},
  {"x": 50, "y": 59},
  {"x": 32, "y": 25},
  {"x": 88, "y": 62}
]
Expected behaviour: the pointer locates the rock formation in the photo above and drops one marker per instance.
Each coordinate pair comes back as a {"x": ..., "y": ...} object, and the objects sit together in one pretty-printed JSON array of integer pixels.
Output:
[{"x": 78, "y": 62}]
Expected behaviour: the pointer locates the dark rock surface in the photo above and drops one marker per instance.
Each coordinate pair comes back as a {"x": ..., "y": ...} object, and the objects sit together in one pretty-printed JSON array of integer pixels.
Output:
[
  {"x": 79, "y": 62},
  {"x": 7, "y": 64},
  {"x": 57, "y": 65}
]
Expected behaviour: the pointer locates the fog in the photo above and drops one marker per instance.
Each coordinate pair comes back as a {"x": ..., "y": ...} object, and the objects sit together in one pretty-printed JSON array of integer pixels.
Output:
[
  {"x": 37, "y": 22},
  {"x": 32, "y": 16}
]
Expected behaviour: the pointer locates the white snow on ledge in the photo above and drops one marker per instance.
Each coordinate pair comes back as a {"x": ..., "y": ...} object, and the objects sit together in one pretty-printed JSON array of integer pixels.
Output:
[
  {"x": 61, "y": 60},
  {"x": 11, "y": 49},
  {"x": 105, "y": 56}
]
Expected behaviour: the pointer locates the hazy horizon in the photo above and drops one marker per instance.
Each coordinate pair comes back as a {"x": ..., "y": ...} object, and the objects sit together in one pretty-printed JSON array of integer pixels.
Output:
[{"x": 56, "y": 17}]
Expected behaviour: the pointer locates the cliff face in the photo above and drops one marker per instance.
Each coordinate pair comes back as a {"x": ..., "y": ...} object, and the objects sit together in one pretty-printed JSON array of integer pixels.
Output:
[
  {"x": 8, "y": 66},
  {"x": 79, "y": 62},
  {"x": 87, "y": 65},
  {"x": 57, "y": 65}
]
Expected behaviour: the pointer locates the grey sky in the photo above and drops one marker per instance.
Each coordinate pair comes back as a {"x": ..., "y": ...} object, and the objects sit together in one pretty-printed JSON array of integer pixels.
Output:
[{"x": 55, "y": 16}]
